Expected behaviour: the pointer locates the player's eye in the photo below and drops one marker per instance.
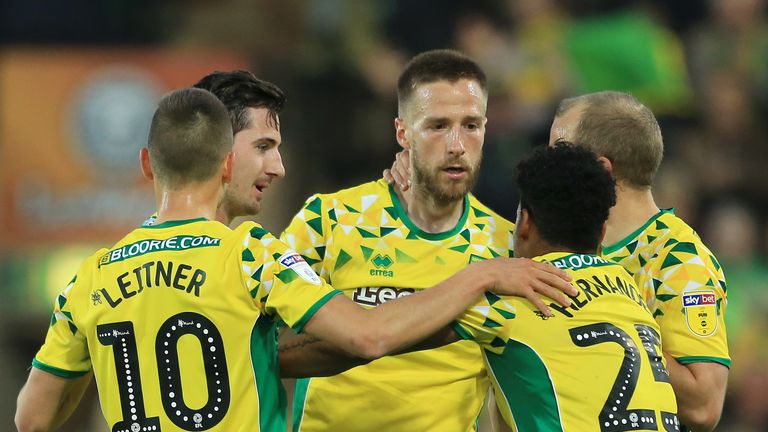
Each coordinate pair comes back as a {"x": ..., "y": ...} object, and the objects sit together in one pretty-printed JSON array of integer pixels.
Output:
[{"x": 263, "y": 146}]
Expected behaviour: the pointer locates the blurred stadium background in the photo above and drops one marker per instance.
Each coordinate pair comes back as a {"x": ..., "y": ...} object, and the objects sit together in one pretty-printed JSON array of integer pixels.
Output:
[{"x": 79, "y": 81}]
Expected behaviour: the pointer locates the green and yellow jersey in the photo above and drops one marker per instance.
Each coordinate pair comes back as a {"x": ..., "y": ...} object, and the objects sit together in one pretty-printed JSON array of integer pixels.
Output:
[
  {"x": 362, "y": 241},
  {"x": 595, "y": 366},
  {"x": 683, "y": 285},
  {"x": 177, "y": 321}
]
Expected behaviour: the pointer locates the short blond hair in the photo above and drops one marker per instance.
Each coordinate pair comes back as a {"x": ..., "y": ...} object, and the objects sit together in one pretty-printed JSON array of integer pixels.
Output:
[{"x": 619, "y": 127}]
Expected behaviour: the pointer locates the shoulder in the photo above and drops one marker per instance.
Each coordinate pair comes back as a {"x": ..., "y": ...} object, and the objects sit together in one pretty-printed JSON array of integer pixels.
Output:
[
  {"x": 683, "y": 242},
  {"x": 352, "y": 195},
  {"x": 253, "y": 231},
  {"x": 362, "y": 198},
  {"x": 78, "y": 289},
  {"x": 478, "y": 210},
  {"x": 683, "y": 262}
]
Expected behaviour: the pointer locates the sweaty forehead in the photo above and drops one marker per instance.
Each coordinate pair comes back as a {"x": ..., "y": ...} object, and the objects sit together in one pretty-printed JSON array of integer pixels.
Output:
[
  {"x": 441, "y": 98},
  {"x": 564, "y": 126}
]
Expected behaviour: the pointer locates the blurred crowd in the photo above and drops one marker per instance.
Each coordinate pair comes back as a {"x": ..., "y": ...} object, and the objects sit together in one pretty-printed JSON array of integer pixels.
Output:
[{"x": 702, "y": 66}]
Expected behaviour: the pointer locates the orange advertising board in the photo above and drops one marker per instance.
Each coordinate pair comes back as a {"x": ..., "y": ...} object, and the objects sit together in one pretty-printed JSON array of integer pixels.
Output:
[{"x": 72, "y": 122}]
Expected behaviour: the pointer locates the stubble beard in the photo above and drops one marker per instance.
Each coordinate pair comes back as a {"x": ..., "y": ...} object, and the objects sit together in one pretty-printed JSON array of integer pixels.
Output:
[
  {"x": 234, "y": 206},
  {"x": 428, "y": 179}
]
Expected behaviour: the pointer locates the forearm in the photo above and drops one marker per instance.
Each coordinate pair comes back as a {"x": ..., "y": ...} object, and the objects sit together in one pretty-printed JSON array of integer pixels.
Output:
[
  {"x": 304, "y": 356},
  {"x": 397, "y": 325},
  {"x": 700, "y": 392},
  {"x": 46, "y": 401},
  {"x": 400, "y": 323}
]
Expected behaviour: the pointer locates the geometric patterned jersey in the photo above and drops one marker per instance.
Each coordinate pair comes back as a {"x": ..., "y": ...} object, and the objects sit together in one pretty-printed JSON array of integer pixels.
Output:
[
  {"x": 362, "y": 241},
  {"x": 178, "y": 323},
  {"x": 683, "y": 285},
  {"x": 595, "y": 365}
]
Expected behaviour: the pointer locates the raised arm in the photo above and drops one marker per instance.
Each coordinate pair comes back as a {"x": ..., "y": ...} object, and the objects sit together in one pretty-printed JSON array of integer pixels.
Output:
[
  {"x": 46, "y": 401},
  {"x": 397, "y": 324}
]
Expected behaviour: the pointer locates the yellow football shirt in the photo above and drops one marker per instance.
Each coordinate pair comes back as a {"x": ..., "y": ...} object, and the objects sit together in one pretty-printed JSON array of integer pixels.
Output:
[
  {"x": 177, "y": 321},
  {"x": 361, "y": 241},
  {"x": 682, "y": 283},
  {"x": 594, "y": 366}
]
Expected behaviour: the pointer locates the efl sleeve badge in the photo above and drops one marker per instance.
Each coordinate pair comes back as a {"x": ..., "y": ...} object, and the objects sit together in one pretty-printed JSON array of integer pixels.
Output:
[{"x": 701, "y": 312}]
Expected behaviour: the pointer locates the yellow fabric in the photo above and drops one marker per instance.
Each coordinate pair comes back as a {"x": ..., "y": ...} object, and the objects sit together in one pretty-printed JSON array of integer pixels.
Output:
[
  {"x": 566, "y": 373},
  {"x": 682, "y": 283},
  {"x": 166, "y": 297},
  {"x": 361, "y": 241}
]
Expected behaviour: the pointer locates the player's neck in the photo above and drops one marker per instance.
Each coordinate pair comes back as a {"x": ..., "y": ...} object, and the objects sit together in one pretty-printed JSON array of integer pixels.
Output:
[
  {"x": 223, "y": 216},
  {"x": 427, "y": 213},
  {"x": 197, "y": 200},
  {"x": 536, "y": 246},
  {"x": 633, "y": 209}
]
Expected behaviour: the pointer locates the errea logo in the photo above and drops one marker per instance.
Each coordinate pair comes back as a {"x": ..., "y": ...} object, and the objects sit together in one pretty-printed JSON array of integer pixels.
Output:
[{"x": 382, "y": 264}]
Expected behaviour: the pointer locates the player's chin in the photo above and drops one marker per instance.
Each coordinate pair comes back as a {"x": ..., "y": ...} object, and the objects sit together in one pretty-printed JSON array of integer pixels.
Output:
[
  {"x": 455, "y": 191},
  {"x": 459, "y": 186},
  {"x": 248, "y": 208},
  {"x": 255, "y": 207}
]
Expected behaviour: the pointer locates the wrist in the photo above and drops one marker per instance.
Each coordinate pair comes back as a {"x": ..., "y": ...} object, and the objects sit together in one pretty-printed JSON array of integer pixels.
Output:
[{"x": 485, "y": 278}]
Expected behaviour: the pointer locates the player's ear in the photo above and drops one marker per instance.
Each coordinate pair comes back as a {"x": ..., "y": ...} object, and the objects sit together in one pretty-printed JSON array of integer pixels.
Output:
[
  {"x": 523, "y": 226},
  {"x": 606, "y": 163},
  {"x": 400, "y": 133},
  {"x": 227, "y": 165},
  {"x": 146, "y": 167}
]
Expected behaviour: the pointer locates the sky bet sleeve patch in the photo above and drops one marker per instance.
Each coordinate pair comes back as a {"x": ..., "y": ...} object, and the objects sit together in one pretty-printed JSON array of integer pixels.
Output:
[
  {"x": 700, "y": 312},
  {"x": 295, "y": 262}
]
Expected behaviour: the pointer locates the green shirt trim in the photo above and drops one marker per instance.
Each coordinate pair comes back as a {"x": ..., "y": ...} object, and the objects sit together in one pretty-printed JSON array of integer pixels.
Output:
[
  {"x": 421, "y": 233},
  {"x": 273, "y": 403},
  {"x": 299, "y": 401},
  {"x": 299, "y": 325},
  {"x": 621, "y": 243},
  {"x": 173, "y": 223},
  {"x": 463, "y": 333},
  {"x": 526, "y": 387},
  {"x": 704, "y": 359},
  {"x": 62, "y": 373}
]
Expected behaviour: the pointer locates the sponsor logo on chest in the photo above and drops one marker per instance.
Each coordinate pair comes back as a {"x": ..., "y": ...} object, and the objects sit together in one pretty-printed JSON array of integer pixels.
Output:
[
  {"x": 381, "y": 266},
  {"x": 374, "y": 296}
]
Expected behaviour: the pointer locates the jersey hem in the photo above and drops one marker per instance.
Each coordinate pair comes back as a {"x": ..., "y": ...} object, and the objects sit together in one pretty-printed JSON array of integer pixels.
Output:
[
  {"x": 704, "y": 359},
  {"x": 299, "y": 325},
  {"x": 62, "y": 373}
]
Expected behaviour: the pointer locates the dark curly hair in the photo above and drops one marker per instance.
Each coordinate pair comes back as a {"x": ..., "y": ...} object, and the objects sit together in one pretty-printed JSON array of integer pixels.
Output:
[
  {"x": 240, "y": 90},
  {"x": 567, "y": 193}
]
